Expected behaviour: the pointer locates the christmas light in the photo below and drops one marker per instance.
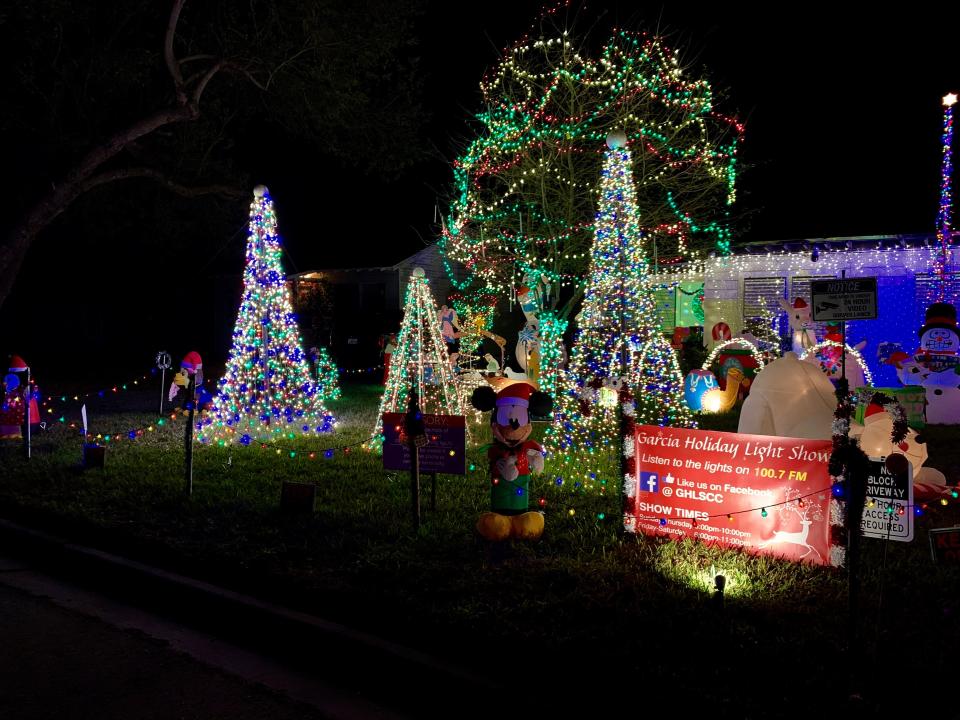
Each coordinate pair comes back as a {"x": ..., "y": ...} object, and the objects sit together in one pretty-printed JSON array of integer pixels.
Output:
[
  {"x": 328, "y": 384},
  {"x": 819, "y": 347},
  {"x": 618, "y": 341},
  {"x": 267, "y": 390},
  {"x": 524, "y": 189},
  {"x": 939, "y": 286},
  {"x": 420, "y": 361}
]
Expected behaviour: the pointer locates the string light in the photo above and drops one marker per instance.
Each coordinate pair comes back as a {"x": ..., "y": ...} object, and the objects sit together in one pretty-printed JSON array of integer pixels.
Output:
[
  {"x": 548, "y": 108},
  {"x": 266, "y": 391},
  {"x": 852, "y": 351},
  {"x": 420, "y": 361},
  {"x": 618, "y": 341},
  {"x": 938, "y": 285}
]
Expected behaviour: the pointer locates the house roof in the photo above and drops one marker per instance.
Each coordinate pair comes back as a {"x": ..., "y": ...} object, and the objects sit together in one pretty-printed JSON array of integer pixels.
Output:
[{"x": 836, "y": 244}]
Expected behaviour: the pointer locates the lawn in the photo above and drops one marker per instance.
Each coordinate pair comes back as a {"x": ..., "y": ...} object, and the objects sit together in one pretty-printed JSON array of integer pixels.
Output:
[{"x": 587, "y": 612}]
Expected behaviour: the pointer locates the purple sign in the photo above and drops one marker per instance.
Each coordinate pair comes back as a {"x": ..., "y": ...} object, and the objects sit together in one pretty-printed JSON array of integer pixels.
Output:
[{"x": 445, "y": 451}]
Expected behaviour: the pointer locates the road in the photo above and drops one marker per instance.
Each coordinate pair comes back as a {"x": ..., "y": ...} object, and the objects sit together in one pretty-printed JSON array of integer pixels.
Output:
[{"x": 72, "y": 653}]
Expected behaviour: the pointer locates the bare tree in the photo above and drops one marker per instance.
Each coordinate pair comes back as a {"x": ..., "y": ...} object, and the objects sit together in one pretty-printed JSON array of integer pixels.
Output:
[{"x": 218, "y": 60}]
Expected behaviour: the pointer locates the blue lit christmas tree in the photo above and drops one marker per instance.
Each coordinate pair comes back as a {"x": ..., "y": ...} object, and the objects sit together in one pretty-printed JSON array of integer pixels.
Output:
[
  {"x": 618, "y": 341},
  {"x": 267, "y": 392}
]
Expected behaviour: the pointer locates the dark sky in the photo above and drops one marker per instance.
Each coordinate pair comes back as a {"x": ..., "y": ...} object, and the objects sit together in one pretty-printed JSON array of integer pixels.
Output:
[
  {"x": 843, "y": 121},
  {"x": 841, "y": 106}
]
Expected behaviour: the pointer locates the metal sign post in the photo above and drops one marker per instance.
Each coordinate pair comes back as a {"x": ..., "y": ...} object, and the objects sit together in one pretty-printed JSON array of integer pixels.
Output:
[
  {"x": 27, "y": 396},
  {"x": 188, "y": 436}
]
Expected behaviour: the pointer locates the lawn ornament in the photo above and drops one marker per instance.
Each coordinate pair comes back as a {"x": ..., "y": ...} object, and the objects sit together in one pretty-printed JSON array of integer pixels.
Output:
[
  {"x": 513, "y": 459},
  {"x": 789, "y": 398},
  {"x": 874, "y": 440},
  {"x": 936, "y": 364},
  {"x": 389, "y": 344},
  {"x": 829, "y": 357},
  {"x": 28, "y": 389},
  {"x": 695, "y": 384},
  {"x": 449, "y": 325},
  {"x": 11, "y": 408},
  {"x": 719, "y": 401},
  {"x": 720, "y": 332},
  {"x": 801, "y": 324},
  {"x": 190, "y": 367}
]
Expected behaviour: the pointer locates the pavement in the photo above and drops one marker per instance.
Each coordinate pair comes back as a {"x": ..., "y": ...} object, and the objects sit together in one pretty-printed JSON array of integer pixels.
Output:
[{"x": 88, "y": 634}]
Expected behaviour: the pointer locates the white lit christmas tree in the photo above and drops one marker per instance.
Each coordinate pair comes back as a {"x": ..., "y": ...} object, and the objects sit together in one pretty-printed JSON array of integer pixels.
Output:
[
  {"x": 420, "y": 361},
  {"x": 765, "y": 329},
  {"x": 617, "y": 341},
  {"x": 267, "y": 392}
]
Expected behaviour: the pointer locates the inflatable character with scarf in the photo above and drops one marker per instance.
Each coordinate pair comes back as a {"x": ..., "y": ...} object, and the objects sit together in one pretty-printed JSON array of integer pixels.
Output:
[{"x": 513, "y": 457}]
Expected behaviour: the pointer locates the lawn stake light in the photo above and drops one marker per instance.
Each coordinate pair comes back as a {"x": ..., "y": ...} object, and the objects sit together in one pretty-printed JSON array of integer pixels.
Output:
[{"x": 164, "y": 363}]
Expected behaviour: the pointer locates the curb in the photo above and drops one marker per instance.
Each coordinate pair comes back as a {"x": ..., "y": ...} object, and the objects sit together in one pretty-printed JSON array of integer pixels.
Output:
[{"x": 400, "y": 677}]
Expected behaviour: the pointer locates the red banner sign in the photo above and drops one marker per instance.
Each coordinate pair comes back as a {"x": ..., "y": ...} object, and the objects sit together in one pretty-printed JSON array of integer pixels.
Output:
[{"x": 765, "y": 494}]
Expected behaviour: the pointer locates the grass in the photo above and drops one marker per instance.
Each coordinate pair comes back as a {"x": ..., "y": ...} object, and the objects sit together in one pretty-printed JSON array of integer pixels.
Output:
[{"x": 576, "y": 615}]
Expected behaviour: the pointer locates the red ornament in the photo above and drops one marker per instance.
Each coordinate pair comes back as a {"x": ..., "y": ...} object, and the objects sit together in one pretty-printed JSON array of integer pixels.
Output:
[{"x": 721, "y": 331}]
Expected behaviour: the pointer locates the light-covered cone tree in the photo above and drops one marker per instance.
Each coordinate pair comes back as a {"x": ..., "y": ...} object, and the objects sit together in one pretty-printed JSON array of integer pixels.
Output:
[
  {"x": 267, "y": 391},
  {"x": 328, "y": 376},
  {"x": 420, "y": 361},
  {"x": 618, "y": 341}
]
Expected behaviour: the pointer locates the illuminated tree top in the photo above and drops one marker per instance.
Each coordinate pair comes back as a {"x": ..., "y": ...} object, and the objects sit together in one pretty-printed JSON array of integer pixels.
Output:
[{"x": 525, "y": 189}]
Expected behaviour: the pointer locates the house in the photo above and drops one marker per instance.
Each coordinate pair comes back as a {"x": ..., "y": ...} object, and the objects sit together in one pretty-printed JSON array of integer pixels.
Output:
[
  {"x": 757, "y": 275},
  {"x": 348, "y": 310}
]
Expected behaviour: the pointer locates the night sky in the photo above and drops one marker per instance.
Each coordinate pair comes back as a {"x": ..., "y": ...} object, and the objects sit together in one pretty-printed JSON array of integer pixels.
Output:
[
  {"x": 843, "y": 121},
  {"x": 842, "y": 112}
]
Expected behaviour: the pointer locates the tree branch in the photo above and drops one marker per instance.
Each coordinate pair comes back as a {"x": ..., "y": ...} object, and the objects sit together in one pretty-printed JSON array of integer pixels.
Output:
[
  {"x": 172, "y": 65},
  {"x": 170, "y": 184}
]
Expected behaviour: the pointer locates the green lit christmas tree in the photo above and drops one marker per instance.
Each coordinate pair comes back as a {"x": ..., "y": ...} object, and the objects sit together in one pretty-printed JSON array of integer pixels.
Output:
[
  {"x": 327, "y": 374},
  {"x": 618, "y": 341},
  {"x": 420, "y": 361},
  {"x": 267, "y": 392}
]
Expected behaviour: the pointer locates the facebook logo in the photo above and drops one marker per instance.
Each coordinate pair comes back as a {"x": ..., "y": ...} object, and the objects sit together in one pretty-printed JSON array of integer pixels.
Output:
[{"x": 649, "y": 481}]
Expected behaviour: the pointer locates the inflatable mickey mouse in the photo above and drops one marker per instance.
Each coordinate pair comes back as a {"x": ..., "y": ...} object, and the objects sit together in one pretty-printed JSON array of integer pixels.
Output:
[{"x": 513, "y": 459}]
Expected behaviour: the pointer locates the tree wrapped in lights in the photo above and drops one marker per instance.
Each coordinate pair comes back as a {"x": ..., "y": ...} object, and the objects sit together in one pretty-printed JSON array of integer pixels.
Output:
[
  {"x": 420, "y": 361},
  {"x": 657, "y": 384},
  {"x": 765, "y": 329},
  {"x": 618, "y": 339},
  {"x": 941, "y": 258},
  {"x": 267, "y": 392},
  {"x": 524, "y": 196},
  {"x": 327, "y": 374}
]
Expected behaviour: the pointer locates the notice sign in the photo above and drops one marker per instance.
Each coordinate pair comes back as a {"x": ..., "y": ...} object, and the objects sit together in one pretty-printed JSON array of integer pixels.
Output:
[
  {"x": 445, "y": 451},
  {"x": 887, "y": 512},
  {"x": 777, "y": 490},
  {"x": 844, "y": 299}
]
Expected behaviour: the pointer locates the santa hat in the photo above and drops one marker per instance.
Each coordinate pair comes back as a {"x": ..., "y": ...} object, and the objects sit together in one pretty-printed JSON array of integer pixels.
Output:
[
  {"x": 191, "y": 361},
  {"x": 517, "y": 393},
  {"x": 873, "y": 413},
  {"x": 17, "y": 364},
  {"x": 799, "y": 303}
]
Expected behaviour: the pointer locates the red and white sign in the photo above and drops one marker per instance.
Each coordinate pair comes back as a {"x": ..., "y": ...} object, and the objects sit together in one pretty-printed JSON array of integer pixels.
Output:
[{"x": 765, "y": 494}]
